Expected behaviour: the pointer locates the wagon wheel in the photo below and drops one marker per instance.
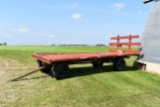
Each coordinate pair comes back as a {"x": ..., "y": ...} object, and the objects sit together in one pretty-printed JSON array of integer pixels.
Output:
[
  {"x": 60, "y": 70},
  {"x": 119, "y": 64},
  {"x": 97, "y": 64},
  {"x": 47, "y": 68}
]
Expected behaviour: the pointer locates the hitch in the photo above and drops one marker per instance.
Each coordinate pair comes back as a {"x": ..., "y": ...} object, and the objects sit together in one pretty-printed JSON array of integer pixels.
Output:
[{"x": 15, "y": 79}]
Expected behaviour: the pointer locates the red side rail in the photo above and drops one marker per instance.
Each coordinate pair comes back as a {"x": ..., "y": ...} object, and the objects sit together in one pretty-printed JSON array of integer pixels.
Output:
[
  {"x": 118, "y": 43},
  {"x": 125, "y": 37},
  {"x": 125, "y": 43}
]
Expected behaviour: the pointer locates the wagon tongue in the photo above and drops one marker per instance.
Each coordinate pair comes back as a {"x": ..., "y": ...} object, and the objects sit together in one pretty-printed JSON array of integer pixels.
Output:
[{"x": 16, "y": 79}]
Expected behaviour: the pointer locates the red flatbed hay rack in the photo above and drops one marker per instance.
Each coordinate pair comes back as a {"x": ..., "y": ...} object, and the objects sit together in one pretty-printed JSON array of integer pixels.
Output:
[{"x": 56, "y": 64}]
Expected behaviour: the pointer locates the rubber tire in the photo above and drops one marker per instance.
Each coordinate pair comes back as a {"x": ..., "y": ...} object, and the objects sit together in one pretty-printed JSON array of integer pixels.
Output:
[
  {"x": 97, "y": 64},
  {"x": 119, "y": 64},
  {"x": 47, "y": 68},
  {"x": 60, "y": 70}
]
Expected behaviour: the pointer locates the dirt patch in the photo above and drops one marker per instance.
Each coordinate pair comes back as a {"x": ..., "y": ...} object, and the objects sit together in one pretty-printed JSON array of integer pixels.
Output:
[
  {"x": 7, "y": 62},
  {"x": 1, "y": 73},
  {"x": 5, "y": 65},
  {"x": 13, "y": 65}
]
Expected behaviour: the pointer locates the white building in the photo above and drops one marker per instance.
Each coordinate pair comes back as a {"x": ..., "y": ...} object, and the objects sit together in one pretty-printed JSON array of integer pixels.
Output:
[{"x": 150, "y": 43}]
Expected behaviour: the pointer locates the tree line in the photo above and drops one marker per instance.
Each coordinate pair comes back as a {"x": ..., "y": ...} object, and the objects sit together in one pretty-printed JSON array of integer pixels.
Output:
[
  {"x": 3, "y": 44},
  {"x": 77, "y": 45}
]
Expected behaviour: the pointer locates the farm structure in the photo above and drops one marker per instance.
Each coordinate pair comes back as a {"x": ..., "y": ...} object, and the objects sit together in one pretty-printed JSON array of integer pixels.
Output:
[
  {"x": 149, "y": 58},
  {"x": 57, "y": 64}
]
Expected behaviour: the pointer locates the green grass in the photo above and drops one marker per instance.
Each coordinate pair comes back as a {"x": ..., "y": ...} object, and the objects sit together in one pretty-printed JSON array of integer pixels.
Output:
[
  {"x": 24, "y": 53},
  {"x": 85, "y": 87}
]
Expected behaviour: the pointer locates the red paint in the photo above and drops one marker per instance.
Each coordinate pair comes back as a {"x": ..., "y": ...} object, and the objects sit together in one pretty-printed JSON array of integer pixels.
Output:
[{"x": 51, "y": 58}]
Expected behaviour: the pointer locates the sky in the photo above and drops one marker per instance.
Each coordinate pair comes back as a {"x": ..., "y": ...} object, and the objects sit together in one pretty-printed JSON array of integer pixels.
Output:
[{"x": 46, "y": 22}]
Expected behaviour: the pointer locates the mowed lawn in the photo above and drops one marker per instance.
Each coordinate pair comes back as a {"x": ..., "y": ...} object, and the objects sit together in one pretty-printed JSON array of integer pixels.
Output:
[{"x": 85, "y": 87}]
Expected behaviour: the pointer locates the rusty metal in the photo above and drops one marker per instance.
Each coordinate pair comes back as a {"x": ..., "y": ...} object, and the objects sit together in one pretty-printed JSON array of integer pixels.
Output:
[{"x": 15, "y": 79}]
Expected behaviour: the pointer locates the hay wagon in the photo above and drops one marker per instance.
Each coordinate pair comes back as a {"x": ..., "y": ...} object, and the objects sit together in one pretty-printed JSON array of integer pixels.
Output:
[{"x": 57, "y": 64}]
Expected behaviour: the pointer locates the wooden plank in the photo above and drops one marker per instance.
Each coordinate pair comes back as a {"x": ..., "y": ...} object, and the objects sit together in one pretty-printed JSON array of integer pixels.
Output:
[
  {"x": 125, "y": 37},
  {"x": 125, "y": 43},
  {"x": 42, "y": 58}
]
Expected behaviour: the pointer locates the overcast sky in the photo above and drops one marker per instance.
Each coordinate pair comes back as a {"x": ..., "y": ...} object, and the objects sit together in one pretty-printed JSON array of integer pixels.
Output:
[{"x": 46, "y": 22}]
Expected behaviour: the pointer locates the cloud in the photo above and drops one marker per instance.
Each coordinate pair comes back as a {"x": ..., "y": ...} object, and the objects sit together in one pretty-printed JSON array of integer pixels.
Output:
[
  {"x": 23, "y": 30},
  {"x": 75, "y": 5},
  {"x": 118, "y": 6},
  {"x": 5, "y": 34},
  {"x": 76, "y": 16},
  {"x": 20, "y": 29},
  {"x": 141, "y": 12},
  {"x": 51, "y": 36},
  {"x": 86, "y": 20}
]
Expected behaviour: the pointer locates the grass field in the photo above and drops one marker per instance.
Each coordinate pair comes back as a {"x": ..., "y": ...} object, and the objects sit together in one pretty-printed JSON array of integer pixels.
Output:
[{"x": 85, "y": 87}]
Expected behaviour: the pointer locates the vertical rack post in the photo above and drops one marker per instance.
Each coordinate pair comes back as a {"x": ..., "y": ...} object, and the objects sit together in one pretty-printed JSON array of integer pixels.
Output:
[
  {"x": 130, "y": 41},
  {"x": 118, "y": 41}
]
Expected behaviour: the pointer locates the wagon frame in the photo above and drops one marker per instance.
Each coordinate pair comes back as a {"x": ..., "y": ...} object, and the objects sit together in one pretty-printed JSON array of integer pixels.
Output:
[{"x": 57, "y": 64}]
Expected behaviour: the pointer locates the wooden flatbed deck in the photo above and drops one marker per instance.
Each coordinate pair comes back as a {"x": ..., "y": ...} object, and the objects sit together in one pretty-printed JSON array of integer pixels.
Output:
[{"x": 74, "y": 57}]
